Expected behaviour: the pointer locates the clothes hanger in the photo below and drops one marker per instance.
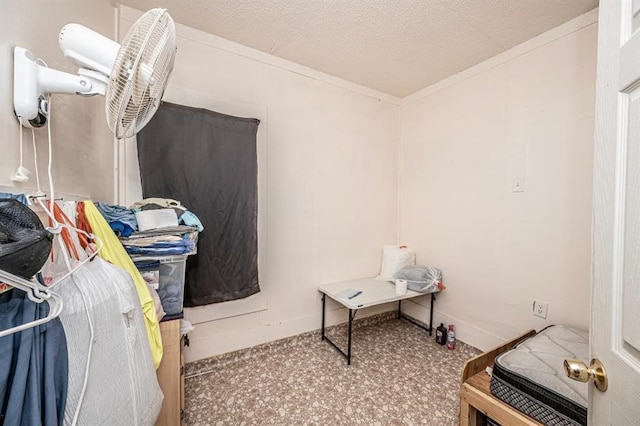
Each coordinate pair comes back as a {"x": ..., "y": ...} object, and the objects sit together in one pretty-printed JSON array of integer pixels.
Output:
[
  {"x": 35, "y": 292},
  {"x": 65, "y": 243}
]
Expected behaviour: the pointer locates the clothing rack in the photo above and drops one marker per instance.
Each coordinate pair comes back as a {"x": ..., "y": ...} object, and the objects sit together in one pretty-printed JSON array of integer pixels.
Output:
[{"x": 60, "y": 196}]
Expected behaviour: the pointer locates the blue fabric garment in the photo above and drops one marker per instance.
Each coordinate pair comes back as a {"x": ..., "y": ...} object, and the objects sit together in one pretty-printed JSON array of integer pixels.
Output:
[
  {"x": 190, "y": 219},
  {"x": 19, "y": 197},
  {"x": 34, "y": 377},
  {"x": 121, "y": 219},
  {"x": 147, "y": 265},
  {"x": 121, "y": 229},
  {"x": 183, "y": 246},
  {"x": 156, "y": 251}
]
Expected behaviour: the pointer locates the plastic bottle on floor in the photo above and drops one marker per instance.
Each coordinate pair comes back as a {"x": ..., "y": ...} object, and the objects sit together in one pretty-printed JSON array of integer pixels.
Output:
[
  {"x": 451, "y": 337},
  {"x": 441, "y": 335}
]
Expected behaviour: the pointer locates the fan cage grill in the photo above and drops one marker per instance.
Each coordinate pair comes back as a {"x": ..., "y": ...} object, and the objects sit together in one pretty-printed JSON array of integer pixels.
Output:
[{"x": 140, "y": 73}]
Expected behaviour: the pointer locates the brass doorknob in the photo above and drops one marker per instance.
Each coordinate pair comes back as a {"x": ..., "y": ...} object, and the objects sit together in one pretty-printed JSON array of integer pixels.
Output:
[{"x": 578, "y": 370}]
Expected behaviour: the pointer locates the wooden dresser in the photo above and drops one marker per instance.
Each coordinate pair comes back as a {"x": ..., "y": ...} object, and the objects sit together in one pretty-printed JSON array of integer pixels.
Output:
[{"x": 171, "y": 375}]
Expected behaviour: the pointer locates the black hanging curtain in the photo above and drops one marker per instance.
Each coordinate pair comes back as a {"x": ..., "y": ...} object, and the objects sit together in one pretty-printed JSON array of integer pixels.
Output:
[{"x": 208, "y": 161}]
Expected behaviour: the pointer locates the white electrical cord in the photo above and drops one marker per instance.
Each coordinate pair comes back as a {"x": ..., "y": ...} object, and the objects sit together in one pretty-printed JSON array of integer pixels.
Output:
[
  {"x": 21, "y": 160},
  {"x": 52, "y": 197},
  {"x": 22, "y": 173},
  {"x": 20, "y": 120},
  {"x": 35, "y": 158}
]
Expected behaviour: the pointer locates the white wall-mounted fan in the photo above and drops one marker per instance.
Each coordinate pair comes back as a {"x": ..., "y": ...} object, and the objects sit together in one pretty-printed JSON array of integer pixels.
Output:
[{"x": 132, "y": 76}]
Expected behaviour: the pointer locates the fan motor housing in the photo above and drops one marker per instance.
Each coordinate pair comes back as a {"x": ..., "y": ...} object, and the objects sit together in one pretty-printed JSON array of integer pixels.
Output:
[{"x": 132, "y": 76}]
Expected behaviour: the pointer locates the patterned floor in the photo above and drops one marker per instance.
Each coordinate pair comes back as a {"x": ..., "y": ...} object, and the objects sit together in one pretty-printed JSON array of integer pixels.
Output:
[{"x": 398, "y": 376}]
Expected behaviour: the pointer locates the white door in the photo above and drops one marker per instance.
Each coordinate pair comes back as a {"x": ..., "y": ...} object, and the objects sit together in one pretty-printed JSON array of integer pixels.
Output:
[{"x": 615, "y": 319}]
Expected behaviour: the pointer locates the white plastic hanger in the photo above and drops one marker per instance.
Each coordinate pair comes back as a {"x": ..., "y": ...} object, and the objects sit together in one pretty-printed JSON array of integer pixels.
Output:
[
  {"x": 57, "y": 229},
  {"x": 37, "y": 293}
]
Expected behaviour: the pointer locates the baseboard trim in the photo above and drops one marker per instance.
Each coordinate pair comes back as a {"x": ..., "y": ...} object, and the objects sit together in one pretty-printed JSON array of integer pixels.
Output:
[
  {"x": 203, "y": 347},
  {"x": 206, "y": 346},
  {"x": 467, "y": 332}
]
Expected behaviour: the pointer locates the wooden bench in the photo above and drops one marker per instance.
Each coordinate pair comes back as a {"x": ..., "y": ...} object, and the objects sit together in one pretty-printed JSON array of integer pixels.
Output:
[{"x": 476, "y": 401}]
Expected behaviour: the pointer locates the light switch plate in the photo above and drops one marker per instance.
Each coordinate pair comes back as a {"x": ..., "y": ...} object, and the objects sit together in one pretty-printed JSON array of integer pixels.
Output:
[{"x": 517, "y": 185}]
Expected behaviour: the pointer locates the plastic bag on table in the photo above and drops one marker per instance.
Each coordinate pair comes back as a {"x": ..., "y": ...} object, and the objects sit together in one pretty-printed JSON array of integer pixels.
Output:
[{"x": 420, "y": 278}]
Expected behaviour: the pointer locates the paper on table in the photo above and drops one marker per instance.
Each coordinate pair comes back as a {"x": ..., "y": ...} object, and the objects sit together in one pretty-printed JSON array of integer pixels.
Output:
[{"x": 348, "y": 293}]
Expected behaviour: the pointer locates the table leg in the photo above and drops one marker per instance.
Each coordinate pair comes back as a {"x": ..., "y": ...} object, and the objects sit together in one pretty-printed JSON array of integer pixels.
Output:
[
  {"x": 464, "y": 413},
  {"x": 433, "y": 297},
  {"x": 324, "y": 296},
  {"x": 428, "y": 328},
  {"x": 352, "y": 314},
  {"x": 349, "y": 343}
]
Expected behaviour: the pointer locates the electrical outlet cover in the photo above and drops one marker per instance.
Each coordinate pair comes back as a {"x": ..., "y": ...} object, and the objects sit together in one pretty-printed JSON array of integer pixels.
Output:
[{"x": 540, "y": 309}]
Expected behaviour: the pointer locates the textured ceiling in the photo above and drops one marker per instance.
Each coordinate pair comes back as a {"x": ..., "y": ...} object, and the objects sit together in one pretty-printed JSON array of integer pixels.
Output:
[{"x": 395, "y": 46}]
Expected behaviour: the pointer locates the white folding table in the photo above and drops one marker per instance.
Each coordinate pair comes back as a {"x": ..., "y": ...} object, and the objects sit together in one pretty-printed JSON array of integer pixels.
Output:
[{"x": 374, "y": 293}]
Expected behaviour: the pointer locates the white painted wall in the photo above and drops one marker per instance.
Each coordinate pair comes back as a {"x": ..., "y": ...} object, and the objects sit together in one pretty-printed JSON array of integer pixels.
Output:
[
  {"x": 328, "y": 155},
  {"x": 528, "y": 113},
  {"x": 82, "y": 142}
]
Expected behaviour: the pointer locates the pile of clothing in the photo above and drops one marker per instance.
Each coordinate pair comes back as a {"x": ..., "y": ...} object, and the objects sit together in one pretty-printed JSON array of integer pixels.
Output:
[
  {"x": 154, "y": 227},
  {"x": 158, "y": 234}
]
